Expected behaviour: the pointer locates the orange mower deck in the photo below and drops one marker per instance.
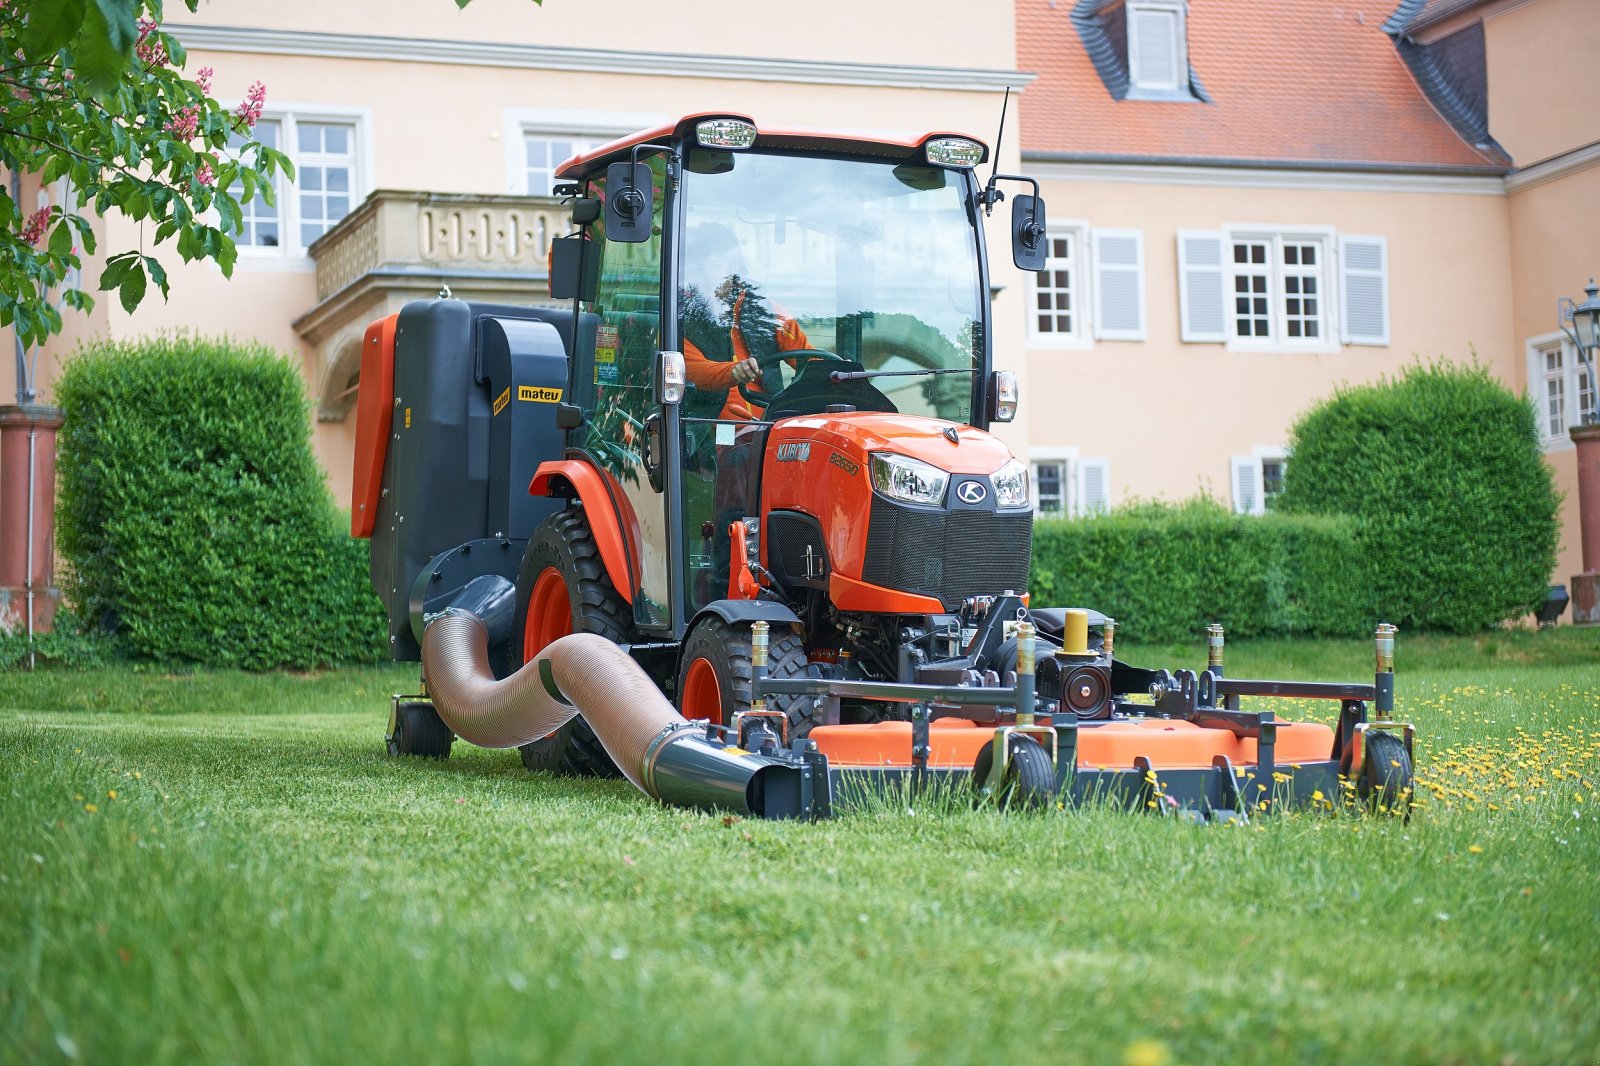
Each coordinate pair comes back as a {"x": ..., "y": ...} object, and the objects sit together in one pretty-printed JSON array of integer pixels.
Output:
[{"x": 956, "y": 742}]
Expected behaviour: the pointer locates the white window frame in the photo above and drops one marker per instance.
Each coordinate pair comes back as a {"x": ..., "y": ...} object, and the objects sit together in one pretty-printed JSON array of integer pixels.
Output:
[
  {"x": 1329, "y": 314},
  {"x": 1253, "y": 464},
  {"x": 1571, "y": 371},
  {"x": 1067, "y": 459},
  {"x": 1080, "y": 337},
  {"x": 1139, "y": 88},
  {"x": 290, "y": 253},
  {"x": 1087, "y": 291},
  {"x": 591, "y": 127},
  {"x": 1074, "y": 474}
]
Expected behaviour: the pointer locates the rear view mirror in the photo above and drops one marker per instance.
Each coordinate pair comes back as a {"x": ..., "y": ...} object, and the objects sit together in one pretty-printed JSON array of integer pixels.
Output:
[
  {"x": 569, "y": 275},
  {"x": 1027, "y": 232},
  {"x": 628, "y": 202}
]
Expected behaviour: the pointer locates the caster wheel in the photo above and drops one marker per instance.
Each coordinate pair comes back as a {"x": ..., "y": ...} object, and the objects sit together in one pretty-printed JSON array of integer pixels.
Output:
[
  {"x": 1030, "y": 780},
  {"x": 418, "y": 730}
]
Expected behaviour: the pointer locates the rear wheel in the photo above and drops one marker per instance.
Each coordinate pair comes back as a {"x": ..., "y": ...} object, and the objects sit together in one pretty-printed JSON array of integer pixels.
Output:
[
  {"x": 714, "y": 678},
  {"x": 562, "y": 588},
  {"x": 1030, "y": 779},
  {"x": 1386, "y": 781}
]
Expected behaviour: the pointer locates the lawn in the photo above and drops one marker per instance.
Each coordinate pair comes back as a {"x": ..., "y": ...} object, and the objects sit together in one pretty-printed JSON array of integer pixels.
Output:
[{"x": 216, "y": 867}]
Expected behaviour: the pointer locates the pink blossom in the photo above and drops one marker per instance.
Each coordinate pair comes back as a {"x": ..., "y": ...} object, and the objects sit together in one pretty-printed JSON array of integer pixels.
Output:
[
  {"x": 184, "y": 124},
  {"x": 204, "y": 175},
  {"x": 149, "y": 48},
  {"x": 203, "y": 79},
  {"x": 254, "y": 98},
  {"x": 38, "y": 222}
]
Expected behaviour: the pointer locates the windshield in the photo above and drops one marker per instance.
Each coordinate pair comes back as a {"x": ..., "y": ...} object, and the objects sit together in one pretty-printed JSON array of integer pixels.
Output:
[{"x": 872, "y": 265}]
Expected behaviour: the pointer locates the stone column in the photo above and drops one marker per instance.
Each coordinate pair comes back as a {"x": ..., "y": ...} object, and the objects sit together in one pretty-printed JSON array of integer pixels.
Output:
[
  {"x": 1586, "y": 586},
  {"x": 20, "y": 426}
]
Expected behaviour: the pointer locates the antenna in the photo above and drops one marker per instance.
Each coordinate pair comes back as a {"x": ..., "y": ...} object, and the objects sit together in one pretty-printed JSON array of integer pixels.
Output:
[{"x": 992, "y": 195}]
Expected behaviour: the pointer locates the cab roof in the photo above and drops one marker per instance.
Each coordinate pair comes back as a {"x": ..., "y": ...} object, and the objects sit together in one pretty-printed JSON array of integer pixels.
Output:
[{"x": 581, "y": 166}]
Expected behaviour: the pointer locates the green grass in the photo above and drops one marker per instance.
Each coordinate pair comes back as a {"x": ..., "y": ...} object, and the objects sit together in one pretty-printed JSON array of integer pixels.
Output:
[{"x": 265, "y": 886}]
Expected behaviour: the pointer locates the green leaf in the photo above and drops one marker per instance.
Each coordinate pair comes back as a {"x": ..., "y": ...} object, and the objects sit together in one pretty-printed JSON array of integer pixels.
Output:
[
  {"x": 61, "y": 239},
  {"x": 227, "y": 254},
  {"x": 175, "y": 50},
  {"x": 116, "y": 269},
  {"x": 132, "y": 289},
  {"x": 50, "y": 26},
  {"x": 103, "y": 51},
  {"x": 158, "y": 274}
]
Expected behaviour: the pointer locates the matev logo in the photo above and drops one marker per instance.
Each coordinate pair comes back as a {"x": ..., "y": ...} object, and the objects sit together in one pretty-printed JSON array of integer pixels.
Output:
[{"x": 971, "y": 492}]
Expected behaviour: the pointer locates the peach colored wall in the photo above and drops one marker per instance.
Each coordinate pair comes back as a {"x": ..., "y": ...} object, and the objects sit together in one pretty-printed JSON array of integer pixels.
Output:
[
  {"x": 1169, "y": 415},
  {"x": 930, "y": 32},
  {"x": 1541, "y": 77},
  {"x": 1555, "y": 249}
]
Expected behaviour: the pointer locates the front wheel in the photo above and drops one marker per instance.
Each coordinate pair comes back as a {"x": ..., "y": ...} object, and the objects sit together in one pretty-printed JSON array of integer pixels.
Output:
[
  {"x": 714, "y": 677},
  {"x": 418, "y": 730},
  {"x": 1386, "y": 780}
]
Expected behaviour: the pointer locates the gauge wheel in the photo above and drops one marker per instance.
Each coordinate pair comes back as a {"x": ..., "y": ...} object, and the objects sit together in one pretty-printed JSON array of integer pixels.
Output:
[
  {"x": 418, "y": 730},
  {"x": 1030, "y": 780},
  {"x": 1386, "y": 780}
]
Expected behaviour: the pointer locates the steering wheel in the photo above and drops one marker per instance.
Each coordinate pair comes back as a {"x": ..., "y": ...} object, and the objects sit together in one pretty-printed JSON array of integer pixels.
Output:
[{"x": 771, "y": 359}]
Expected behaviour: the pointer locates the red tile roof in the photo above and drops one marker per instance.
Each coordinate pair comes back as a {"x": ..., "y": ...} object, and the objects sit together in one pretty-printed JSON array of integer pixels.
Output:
[{"x": 1294, "y": 81}]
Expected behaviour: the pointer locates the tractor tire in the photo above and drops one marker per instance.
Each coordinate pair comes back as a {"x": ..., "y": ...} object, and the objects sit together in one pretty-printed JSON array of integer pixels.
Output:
[
  {"x": 419, "y": 731},
  {"x": 562, "y": 588},
  {"x": 1030, "y": 781},
  {"x": 1386, "y": 782},
  {"x": 714, "y": 675}
]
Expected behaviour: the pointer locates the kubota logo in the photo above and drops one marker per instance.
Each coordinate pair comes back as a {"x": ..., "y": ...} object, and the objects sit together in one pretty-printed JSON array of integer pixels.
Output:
[
  {"x": 971, "y": 492},
  {"x": 794, "y": 453}
]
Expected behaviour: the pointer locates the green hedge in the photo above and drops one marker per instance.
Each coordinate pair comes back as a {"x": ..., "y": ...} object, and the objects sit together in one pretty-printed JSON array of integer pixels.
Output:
[
  {"x": 1455, "y": 508},
  {"x": 193, "y": 513},
  {"x": 1165, "y": 571}
]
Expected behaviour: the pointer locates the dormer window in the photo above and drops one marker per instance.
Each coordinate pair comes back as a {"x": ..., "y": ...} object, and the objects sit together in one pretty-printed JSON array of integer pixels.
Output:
[{"x": 1158, "y": 53}]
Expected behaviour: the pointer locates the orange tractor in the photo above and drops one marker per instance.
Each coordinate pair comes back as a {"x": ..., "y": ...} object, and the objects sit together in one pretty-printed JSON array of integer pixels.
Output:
[{"x": 750, "y": 450}]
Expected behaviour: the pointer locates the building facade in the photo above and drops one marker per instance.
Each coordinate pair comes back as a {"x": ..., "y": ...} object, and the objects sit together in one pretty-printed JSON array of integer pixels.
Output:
[{"x": 1250, "y": 202}]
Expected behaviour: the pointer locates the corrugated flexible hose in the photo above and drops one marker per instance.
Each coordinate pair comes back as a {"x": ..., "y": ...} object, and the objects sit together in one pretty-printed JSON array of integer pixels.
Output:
[{"x": 665, "y": 755}]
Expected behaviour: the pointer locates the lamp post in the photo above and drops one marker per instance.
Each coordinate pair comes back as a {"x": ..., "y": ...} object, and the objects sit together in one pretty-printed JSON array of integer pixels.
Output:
[{"x": 1581, "y": 324}]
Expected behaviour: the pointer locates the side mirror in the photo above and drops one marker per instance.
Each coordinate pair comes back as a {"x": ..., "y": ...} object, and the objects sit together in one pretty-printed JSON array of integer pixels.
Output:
[
  {"x": 1027, "y": 233},
  {"x": 628, "y": 202},
  {"x": 569, "y": 275}
]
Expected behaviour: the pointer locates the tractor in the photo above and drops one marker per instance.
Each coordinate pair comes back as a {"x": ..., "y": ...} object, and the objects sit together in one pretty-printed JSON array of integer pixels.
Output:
[{"x": 748, "y": 445}]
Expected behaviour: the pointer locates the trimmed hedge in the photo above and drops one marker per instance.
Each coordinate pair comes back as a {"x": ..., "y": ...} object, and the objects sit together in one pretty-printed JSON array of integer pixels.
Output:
[
  {"x": 194, "y": 515},
  {"x": 1455, "y": 508},
  {"x": 1164, "y": 571}
]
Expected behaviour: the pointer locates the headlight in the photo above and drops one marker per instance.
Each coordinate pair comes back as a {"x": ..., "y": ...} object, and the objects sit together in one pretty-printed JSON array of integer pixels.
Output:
[
  {"x": 902, "y": 478},
  {"x": 954, "y": 152},
  {"x": 1011, "y": 485}
]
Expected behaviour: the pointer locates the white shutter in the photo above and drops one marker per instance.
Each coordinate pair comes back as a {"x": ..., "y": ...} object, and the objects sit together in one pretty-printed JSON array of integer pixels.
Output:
[
  {"x": 1094, "y": 486},
  {"x": 1118, "y": 284},
  {"x": 1364, "y": 262},
  {"x": 1200, "y": 285},
  {"x": 1246, "y": 485},
  {"x": 1154, "y": 43}
]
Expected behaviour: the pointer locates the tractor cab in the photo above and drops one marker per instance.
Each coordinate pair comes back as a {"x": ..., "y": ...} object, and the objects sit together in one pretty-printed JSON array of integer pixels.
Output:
[{"x": 732, "y": 278}]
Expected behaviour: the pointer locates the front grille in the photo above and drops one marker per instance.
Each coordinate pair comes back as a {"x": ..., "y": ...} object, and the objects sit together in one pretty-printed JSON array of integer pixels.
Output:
[{"x": 950, "y": 555}]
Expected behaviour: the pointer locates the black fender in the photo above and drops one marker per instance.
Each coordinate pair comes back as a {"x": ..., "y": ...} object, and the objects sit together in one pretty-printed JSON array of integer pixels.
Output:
[{"x": 746, "y": 611}]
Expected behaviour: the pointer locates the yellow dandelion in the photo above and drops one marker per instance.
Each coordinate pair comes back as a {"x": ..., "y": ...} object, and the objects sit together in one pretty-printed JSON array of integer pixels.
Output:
[
  {"x": 91, "y": 808},
  {"x": 1475, "y": 849},
  {"x": 111, "y": 794}
]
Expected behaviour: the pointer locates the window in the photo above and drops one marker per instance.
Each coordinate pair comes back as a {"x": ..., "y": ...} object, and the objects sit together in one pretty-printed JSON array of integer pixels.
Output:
[
  {"x": 1089, "y": 269},
  {"x": 1561, "y": 387},
  {"x": 1054, "y": 313},
  {"x": 326, "y": 152},
  {"x": 1158, "y": 54},
  {"x": 543, "y": 153},
  {"x": 1257, "y": 478},
  {"x": 1064, "y": 484},
  {"x": 1280, "y": 289}
]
